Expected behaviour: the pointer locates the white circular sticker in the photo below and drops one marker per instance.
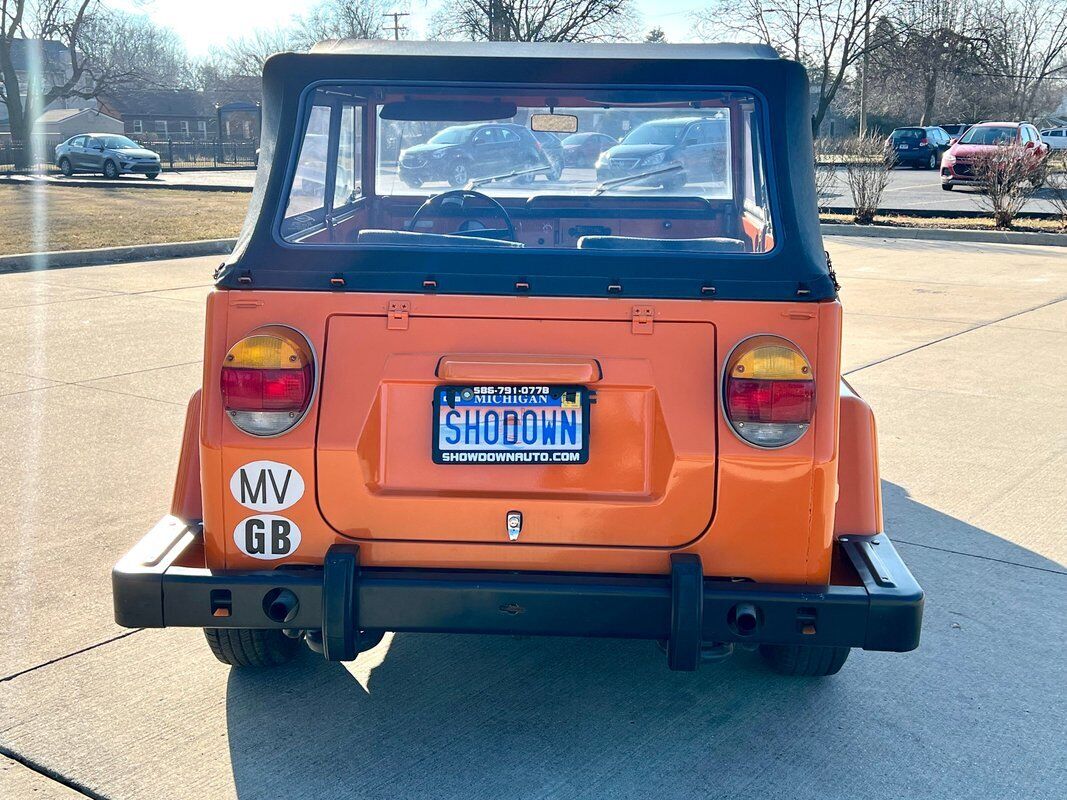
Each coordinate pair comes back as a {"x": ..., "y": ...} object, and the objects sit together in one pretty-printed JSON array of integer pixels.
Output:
[
  {"x": 267, "y": 536},
  {"x": 266, "y": 486}
]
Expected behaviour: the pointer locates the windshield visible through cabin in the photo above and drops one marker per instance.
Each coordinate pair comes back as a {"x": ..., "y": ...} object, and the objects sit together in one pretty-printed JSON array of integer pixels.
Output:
[{"x": 654, "y": 166}]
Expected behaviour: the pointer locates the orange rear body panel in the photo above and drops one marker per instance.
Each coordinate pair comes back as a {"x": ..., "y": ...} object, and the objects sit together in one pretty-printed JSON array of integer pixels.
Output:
[{"x": 666, "y": 473}]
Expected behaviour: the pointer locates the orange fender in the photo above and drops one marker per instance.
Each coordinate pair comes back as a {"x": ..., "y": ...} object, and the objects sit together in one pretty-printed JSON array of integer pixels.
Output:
[
  {"x": 187, "y": 503},
  {"x": 859, "y": 491}
]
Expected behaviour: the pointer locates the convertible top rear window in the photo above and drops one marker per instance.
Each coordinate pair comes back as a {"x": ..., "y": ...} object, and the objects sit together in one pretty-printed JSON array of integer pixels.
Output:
[{"x": 673, "y": 172}]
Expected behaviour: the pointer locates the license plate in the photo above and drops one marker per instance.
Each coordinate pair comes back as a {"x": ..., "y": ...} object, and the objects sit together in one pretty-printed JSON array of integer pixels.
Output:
[
  {"x": 511, "y": 425},
  {"x": 902, "y": 147}
]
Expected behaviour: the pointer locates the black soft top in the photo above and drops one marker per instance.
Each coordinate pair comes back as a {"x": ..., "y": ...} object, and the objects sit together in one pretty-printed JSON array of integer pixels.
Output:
[{"x": 795, "y": 269}]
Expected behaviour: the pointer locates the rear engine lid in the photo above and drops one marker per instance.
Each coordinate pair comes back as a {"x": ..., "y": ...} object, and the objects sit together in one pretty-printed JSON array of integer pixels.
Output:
[{"x": 651, "y": 422}]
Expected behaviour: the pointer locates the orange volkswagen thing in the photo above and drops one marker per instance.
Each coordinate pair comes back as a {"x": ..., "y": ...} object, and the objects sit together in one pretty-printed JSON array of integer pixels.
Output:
[{"x": 455, "y": 384}]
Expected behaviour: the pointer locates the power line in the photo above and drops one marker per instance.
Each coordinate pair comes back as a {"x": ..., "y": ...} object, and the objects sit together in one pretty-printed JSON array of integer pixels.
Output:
[{"x": 396, "y": 27}]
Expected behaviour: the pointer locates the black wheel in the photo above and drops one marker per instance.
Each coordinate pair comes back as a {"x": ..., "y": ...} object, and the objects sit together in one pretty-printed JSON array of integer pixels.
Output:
[
  {"x": 946, "y": 187},
  {"x": 458, "y": 175},
  {"x": 932, "y": 162},
  {"x": 152, "y": 175},
  {"x": 803, "y": 660},
  {"x": 111, "y": 170},
  {"x": 65, "y": 167},
  {"x": 245, "y": 647}
]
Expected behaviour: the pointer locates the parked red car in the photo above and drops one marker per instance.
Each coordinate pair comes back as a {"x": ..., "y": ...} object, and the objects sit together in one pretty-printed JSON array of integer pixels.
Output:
[{"x": 957, "y": 165}]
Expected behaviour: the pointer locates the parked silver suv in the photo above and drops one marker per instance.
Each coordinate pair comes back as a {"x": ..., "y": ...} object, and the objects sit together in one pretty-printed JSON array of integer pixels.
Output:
[{"x": 107, "y": 153}]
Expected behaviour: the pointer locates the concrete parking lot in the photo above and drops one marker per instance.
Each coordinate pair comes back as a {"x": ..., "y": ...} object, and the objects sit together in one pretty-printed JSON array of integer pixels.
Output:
[
  {"x": 960, "y": 349},
  {"x": 908, "y": 189}
]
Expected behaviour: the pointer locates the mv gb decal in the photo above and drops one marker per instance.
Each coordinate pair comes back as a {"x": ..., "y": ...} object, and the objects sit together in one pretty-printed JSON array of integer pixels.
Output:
[{"x": 266, "y": 486}]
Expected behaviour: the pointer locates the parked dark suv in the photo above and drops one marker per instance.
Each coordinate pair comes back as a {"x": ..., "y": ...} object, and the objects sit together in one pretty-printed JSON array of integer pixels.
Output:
[
  {"x": 672, "y": 152},
  {"x": 460, "y": 153},
  {"x": 917, "y": 147}
]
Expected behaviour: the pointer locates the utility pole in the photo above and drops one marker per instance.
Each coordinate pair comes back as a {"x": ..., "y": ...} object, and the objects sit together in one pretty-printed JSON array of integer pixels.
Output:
[
  {"x": 866, "y": 67},
  {"x": 396, "y": 26}
]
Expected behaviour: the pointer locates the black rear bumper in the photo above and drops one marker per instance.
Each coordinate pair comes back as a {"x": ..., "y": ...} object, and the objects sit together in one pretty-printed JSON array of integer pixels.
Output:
[{"x": 881, "y": 611}]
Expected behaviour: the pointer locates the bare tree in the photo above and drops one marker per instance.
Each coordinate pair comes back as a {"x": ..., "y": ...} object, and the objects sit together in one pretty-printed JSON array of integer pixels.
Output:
[
  {"x": 535, "y": 20},
  {"x": 1008, "y": 177},
  {"x": 246, "y": 55},
  {"x": 829, "y": 37},
  {"x": 74, "y": 49},
  {"x": 866, "y": 173},
  {"x": 938, "y": 38},
  {"x": 1023, "y": 48},
  {"x": 344, "y": 19}
]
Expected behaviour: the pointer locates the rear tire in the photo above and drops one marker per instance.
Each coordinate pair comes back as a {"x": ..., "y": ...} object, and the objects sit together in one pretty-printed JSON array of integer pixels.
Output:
[
  {"x": 932, "y": 163},
  {"x": 804, "y": 660},
  {"x": 946, "y": 187},
  {"x": 246, "y": 647}
]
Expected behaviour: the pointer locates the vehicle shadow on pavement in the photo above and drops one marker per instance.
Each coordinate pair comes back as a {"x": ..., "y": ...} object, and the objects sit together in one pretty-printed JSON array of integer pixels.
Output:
[{"x": 504, "y": 717}]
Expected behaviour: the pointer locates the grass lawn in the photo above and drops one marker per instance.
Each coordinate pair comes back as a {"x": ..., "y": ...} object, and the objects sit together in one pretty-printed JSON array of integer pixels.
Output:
[{"x": 37, "y": 218}]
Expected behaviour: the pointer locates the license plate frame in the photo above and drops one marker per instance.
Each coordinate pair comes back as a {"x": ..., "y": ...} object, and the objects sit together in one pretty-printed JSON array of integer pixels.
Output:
[{"x": 517, "y": 452}]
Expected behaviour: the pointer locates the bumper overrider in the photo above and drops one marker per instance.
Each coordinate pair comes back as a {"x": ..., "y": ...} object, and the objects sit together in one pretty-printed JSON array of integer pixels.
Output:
[{"x": 879, "y": 608}]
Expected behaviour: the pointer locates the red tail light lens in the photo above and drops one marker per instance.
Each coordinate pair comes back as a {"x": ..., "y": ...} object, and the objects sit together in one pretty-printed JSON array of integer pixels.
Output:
[
  {"x": 267, "y": 381},
  {"x": 768, "y": 392},
  {"x": 923, "y": 142}
]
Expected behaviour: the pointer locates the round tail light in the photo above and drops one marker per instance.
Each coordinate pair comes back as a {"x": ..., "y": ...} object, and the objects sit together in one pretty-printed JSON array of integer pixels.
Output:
[
  {"x": 267, "y": 381},
  {"x": 768, "y": 392}
]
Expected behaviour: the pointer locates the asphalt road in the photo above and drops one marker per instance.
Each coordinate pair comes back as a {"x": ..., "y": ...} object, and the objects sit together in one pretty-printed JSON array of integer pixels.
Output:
[
  {"x": 908, "y": 188},
  {"x": 960, "y": 349},
  {"x": 920, "y": 189}
]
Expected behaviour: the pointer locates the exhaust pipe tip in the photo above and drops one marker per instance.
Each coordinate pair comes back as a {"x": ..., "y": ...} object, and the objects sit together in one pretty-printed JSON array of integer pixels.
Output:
[
  {"x": 745, "y": 619},
  {"x": 280, "y": 605}
]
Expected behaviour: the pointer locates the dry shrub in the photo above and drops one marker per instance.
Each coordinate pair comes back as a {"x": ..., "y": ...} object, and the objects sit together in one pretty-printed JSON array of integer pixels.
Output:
[
  {"x": 1007, "y": 176},
  {"x": 825, "y": 154},
  {"x": 1056, "y": 183},
  {"x": 866, "y": 173}
]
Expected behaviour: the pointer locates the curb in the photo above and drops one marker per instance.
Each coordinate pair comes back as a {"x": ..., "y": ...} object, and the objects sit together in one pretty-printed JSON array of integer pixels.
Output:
[
  {"x": 945, "y": 234},
  {"x": 101, "y": 183},
  {"x": 61, "y": 259}
]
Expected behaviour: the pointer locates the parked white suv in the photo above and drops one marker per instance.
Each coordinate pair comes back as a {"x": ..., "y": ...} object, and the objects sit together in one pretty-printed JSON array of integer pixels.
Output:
[{"x": 1055, "y": 138}]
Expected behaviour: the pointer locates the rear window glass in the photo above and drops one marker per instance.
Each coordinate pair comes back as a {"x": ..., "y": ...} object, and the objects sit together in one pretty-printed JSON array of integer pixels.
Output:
[{"x": 439, "y": 166}]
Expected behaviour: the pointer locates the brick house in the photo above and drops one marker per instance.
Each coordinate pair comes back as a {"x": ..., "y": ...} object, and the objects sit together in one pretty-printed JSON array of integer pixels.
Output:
[{"x": 182, "y": 115}]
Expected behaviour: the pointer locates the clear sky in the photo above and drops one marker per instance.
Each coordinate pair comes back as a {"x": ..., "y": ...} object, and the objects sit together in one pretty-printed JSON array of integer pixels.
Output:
[{"x": 207, "y": 24}]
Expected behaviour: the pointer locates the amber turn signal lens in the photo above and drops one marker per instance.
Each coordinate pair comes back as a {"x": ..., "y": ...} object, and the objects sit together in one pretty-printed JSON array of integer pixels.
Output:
[
  {"x": 267, "y": 381},
  {"x": 768, "y": 392}
]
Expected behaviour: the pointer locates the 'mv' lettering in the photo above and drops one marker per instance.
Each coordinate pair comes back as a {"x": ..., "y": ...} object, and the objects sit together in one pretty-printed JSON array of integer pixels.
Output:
[
  {"x": 258, "y": 493},
  {"x": 266, "y": 485}
]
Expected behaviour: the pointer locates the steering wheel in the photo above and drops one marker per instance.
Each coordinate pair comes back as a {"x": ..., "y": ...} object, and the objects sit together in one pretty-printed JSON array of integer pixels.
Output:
[{"x": 458, "y": 198}]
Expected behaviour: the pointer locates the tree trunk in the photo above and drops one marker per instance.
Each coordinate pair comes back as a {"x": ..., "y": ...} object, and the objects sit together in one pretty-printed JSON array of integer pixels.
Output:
[{"x": 16, "y": 113}]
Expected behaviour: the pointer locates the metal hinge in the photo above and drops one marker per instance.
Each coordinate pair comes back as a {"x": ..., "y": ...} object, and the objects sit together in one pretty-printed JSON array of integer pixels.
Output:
[
  {"x": 642, "y": 319},
  {"x": 397, "y": 320}
]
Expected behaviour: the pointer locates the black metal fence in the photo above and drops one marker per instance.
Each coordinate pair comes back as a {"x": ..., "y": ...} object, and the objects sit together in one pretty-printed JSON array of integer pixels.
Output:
[{"x": 173, "y": 153}]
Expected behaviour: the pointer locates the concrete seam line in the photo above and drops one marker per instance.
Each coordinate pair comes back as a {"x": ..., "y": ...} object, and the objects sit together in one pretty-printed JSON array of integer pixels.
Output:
[
  {"x": 63, "y": 259},
  {"x": 945, "y": 234},
  {"x": 975, "y": 555},
  {"x": 57, "y": 659},
  {"x": 973, "y": 328},
  {"x": 51, "y": 774}
]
